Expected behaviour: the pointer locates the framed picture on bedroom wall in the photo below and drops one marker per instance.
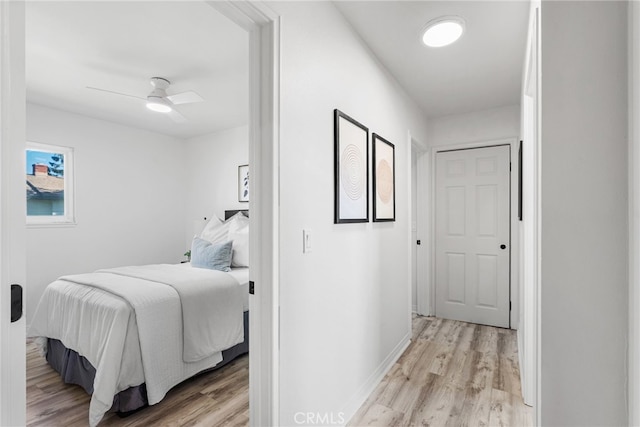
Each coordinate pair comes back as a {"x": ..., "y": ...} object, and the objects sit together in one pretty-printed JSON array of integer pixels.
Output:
[
  {"x": 351, "y": 170},
  {"x": 243, "y": 183},
  {"x": 384, "y": 180}
]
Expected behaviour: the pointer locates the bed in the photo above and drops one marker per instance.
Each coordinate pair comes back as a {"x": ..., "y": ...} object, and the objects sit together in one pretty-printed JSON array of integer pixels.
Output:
[{"x": 128, "y": 335}]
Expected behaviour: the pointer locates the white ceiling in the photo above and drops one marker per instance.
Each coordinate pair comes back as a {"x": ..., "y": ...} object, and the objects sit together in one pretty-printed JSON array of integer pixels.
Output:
[
  {"x": 481, "y": 70},
  {"x": 119, "y": 46}
]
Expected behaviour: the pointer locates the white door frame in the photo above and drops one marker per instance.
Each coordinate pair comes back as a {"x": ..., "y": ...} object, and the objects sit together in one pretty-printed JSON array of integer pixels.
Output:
[
  {"x": 529, "y": 331},
  {"x": 264, "y": 29},
  {"x": 12, "y": 211},
  {"x": 263, "y": 25},
  {"x": 514, "y": 238},
  {"x": 423, "y": 194},
  {"x": 634, "y": 214}
]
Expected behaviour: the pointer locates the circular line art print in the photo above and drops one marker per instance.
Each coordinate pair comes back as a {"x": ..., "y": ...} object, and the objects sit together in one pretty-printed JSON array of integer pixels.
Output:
[
  {"x": 352, "y": 172},
  {"x": 384, "y": 181}
]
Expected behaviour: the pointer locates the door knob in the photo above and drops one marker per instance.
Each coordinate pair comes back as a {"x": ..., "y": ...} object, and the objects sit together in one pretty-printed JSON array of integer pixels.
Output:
[{"x": 503, "y": 246}]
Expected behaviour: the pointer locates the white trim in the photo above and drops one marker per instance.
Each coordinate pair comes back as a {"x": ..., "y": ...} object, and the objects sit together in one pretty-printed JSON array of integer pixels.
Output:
[
  {"x": 424, "y": 229},
  {"x": 634, "y": 215},
  {"x": 410, "y": 240},
  {"x": 537, "y": 291},
  {"x": 263, "y": 25},
  {"x": 529, "y": 286},
  {"x": 513, "y": 221},
  {"x": 350, "y": 409},
  {"x": 12, "y": 210}
]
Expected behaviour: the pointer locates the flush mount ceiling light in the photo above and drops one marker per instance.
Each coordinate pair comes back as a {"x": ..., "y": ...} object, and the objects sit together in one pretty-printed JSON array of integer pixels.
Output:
[
  {"x": 159, "y": 104},
  {"x": 443, "y": 31}
]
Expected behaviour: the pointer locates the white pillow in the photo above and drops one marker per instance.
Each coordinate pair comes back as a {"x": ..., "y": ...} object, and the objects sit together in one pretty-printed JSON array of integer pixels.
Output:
[
  {"x": 235, "y": 229},
  {"x": 215, "y": 231},
  {"x": 240, "y": 257},
  {"x": 238, "y": 222},
  {"x": 239, "y": 234}
]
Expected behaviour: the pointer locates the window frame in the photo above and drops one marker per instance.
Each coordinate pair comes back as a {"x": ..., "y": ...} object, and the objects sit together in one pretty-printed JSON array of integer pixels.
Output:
[{"x": 68, "y": 219}]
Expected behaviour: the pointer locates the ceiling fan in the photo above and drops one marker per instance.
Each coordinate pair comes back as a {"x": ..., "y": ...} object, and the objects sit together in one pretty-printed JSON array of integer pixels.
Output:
[{"x": 159, "y": 101}]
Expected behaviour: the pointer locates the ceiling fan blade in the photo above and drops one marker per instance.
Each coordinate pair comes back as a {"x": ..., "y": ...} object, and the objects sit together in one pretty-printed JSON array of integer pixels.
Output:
[
  {"x": 115, "y": 93},
  {"x": 185, "y": 98},
  {"x": 176, "y": 116}
]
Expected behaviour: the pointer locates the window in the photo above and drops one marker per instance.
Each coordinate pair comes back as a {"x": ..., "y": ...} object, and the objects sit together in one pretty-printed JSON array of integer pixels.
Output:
[{"x": 49, "y": 184}]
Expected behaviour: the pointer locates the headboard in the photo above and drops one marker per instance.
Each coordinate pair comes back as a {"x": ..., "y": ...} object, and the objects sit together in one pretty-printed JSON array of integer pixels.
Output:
[{"x": 230, "y": 213}]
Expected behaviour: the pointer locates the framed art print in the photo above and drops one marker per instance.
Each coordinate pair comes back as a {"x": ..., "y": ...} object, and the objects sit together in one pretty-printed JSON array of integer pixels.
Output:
[
  {"x": 384, "y": 180},
  {"x": 351, "y": 170},
  {"x": 243, "y": 183}
]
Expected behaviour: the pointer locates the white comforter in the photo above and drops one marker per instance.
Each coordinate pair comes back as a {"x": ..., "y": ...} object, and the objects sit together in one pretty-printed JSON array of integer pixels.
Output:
[{"x": 133, "y": 326}]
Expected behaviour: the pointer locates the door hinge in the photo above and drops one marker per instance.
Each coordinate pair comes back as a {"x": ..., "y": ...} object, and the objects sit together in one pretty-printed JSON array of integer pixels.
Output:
[
  {"x": 509, "y": 166},
  {"x": 509, "y": 305},
  {"x": 251, "y": 287}
]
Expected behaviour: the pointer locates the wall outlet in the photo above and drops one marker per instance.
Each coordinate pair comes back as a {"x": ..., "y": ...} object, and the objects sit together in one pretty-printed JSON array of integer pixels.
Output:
[{"x": 306, "y": 241}]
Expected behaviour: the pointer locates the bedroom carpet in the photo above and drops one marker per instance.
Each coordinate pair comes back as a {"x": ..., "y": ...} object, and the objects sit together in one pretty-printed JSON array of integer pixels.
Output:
[
  {"x": 452, "y": 374},
  {"x": 212, "y": 399}
]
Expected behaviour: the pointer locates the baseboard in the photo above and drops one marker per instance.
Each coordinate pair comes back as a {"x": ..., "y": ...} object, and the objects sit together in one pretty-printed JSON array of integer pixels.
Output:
[{"x": 369, "y": 386}]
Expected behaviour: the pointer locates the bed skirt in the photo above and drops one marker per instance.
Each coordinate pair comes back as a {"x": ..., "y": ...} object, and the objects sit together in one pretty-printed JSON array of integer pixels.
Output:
[{"x": 75, "y": 369}]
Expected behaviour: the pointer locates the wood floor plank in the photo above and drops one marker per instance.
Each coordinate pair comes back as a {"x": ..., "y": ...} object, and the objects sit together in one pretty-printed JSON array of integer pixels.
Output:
[
  {"x": 452, "y": 374},
  {"x": 504, "y": 410},
  {"x": 380, "y": 416},
  {"x": 220, "y": 397}
]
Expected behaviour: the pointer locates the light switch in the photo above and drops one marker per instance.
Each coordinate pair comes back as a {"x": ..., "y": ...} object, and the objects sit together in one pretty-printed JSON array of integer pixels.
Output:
[{"x": 306, "y": 241}]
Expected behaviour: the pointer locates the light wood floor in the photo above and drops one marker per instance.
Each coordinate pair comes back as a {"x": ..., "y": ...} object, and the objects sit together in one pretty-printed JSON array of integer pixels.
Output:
[
  {"x": 218, "y": 398},
  {"x": 452, "y": 374}
]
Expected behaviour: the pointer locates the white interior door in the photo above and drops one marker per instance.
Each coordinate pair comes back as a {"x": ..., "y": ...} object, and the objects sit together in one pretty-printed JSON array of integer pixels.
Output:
[{"x": 472, "y": 243}]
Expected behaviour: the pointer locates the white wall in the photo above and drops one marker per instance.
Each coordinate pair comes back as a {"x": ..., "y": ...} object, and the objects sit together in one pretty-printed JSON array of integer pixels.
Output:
[
  {"x": 584, "y": 234},
  {"x": 484, "y": 125},
  {"x": 212, "y": 174},
  {"x": 345, "y": 307},
  {"x": 129, "y": 199}
]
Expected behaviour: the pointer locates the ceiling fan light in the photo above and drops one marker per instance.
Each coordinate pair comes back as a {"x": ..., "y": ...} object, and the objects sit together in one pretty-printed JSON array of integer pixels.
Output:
[
  {"x": 158, "y": 104},
  {"x": 443, "y": 31}
]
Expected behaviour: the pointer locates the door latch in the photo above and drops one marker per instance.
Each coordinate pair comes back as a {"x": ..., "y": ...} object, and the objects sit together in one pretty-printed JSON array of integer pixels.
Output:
[{"x": 16, "y": 303}]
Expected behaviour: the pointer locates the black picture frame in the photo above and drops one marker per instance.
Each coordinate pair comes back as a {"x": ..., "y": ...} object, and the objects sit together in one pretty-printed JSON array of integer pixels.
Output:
[
  {"x": 384, "y": 180},
  {"x": 520, "y": 181},
  {"x": 351, "y": 169},
  {"x": 243, "y": 183}
]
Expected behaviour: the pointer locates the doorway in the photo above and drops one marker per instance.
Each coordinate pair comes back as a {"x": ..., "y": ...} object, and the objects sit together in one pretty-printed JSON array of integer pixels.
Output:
[
  {"x": 472, "y": 235},
  {"x": 263, "y": 27}
]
